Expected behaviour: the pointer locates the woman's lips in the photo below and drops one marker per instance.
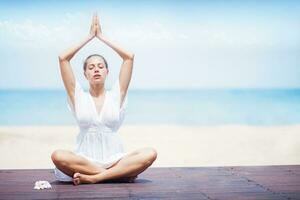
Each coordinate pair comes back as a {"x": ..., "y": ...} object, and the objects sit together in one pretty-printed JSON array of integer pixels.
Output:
[{"x": 97, "y": 76}]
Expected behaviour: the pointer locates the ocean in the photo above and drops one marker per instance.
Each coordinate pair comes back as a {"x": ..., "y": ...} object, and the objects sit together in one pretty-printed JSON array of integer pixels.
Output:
[{"x": 206, "y": 107}]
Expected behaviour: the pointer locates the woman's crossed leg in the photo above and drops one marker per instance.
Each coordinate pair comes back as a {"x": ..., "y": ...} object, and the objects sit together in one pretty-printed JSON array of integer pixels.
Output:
[{"x": 84, "y": 171}]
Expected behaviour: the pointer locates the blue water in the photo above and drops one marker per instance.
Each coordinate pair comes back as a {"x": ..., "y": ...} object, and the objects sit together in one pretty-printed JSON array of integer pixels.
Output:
[{"x": 185, "y": 107}]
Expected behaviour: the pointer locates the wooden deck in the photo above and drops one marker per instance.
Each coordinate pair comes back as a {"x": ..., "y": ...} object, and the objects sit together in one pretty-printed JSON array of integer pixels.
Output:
[{"x": 256, "y": 182}]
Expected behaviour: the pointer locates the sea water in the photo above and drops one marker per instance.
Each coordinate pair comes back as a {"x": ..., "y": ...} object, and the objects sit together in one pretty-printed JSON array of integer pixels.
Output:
[{"x": 183, "y": 107}]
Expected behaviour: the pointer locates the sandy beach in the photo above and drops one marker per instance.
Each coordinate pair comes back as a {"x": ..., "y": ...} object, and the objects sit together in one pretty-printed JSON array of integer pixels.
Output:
[{"x": 177, "y": 146}]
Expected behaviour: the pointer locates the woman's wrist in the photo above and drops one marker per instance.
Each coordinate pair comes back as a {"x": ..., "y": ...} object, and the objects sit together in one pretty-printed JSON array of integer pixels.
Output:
[
  {"x": 90, "y": 37},
  {"x": 99, "y": 37}
]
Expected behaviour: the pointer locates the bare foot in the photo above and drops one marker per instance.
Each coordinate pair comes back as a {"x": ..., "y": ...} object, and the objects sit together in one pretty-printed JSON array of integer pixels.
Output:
[
  {"x": 131, "y": 179},
  {"x": 79, "y": 178}
]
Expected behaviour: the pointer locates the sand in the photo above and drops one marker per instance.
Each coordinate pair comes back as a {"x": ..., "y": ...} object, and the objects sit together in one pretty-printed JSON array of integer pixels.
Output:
[{"x": 177, "y": 146}]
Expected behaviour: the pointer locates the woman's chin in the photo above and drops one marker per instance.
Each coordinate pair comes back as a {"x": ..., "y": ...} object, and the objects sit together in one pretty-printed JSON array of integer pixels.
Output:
[{"x": 97, "y": 82}]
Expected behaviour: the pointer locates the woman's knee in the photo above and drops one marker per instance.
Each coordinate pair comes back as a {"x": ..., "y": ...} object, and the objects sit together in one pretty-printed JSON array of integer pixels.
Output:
[
  {"x": 59, "y": 157},
  {"x": 150, "y": 155}
]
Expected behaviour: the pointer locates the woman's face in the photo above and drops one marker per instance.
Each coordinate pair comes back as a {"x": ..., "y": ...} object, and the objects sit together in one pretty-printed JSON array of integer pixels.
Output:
[{"x": 96, "y": 71}]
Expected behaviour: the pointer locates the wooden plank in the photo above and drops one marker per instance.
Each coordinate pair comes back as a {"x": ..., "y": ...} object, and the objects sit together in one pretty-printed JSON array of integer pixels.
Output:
[
  {"x": 283, "y": 180},
  {"x": 219, "y": 183},
  {"x": 250, "y": 182}
]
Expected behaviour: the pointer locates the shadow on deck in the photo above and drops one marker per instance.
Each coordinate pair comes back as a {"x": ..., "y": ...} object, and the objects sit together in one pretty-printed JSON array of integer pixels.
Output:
[{"x": 247, "y": 182}]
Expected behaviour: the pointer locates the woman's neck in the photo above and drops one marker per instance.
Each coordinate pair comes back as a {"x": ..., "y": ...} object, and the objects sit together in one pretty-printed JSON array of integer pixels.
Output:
[{"x": 97, "y": 90}]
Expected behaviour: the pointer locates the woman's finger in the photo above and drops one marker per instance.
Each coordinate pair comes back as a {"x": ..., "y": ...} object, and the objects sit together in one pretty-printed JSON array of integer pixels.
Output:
[
  {"x": 97, "y": 20},
  {"x": 94, "y": 19},
  {"x": 92, "y": 28},
  {"x": 98, "y": 23}
]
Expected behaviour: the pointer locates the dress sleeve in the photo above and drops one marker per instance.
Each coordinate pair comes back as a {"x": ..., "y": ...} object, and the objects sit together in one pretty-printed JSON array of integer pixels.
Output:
[
  {"x": 78, "y": 93},
  {"x": 116, "y": 94}
]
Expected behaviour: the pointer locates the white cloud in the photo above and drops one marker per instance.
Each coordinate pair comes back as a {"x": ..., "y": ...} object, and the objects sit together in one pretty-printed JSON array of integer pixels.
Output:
[
  {"x": 213, "y": 53},
  {"x": 31, "y": 32}
]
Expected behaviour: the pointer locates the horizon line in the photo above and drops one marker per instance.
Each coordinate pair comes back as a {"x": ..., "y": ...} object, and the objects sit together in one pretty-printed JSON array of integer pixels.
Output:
[{"x": 164, "y": 89}]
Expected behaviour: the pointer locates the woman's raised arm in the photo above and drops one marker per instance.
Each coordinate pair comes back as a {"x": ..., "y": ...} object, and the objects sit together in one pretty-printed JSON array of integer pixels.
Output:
[
  {"x": 127, "y": 65},
  {"x": 65, "y": 66}
]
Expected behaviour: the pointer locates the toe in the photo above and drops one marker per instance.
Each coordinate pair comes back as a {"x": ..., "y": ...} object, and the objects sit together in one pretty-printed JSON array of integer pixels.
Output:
[
  {"x": 76, "y": 181},
  {"x": 76, "y": 175}
]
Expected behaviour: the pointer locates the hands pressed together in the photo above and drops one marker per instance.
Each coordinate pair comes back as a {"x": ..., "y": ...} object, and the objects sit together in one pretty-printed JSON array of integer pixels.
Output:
[{"x": 95, "y": 30}]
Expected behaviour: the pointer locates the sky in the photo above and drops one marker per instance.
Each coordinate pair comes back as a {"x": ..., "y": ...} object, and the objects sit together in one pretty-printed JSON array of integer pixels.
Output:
[{"x": 177, "y": 44}]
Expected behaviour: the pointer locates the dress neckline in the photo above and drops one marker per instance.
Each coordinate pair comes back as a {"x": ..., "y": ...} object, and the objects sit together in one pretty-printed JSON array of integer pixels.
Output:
[{"x": 98, "y": 115}]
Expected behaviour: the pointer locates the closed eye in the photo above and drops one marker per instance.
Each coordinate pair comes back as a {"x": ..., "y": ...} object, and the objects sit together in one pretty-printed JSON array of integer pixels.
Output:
[{"x": 100, "y": 65}]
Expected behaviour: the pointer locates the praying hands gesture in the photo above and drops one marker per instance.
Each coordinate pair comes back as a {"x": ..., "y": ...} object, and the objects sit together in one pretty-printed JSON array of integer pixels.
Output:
[{"x": 95, "y": 30}]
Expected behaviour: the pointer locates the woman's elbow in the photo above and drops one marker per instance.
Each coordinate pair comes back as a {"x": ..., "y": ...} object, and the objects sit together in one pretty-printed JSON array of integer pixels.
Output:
[
  {"x": 130, "y": 56},
  {"x": 63, "y": 58}
]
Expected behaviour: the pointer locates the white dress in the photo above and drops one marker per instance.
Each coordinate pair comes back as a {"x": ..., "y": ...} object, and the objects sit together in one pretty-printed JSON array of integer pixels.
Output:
[{"x": 98, "y": 139}]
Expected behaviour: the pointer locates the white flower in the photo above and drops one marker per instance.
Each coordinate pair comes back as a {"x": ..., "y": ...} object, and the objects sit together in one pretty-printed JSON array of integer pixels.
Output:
[{"x": 41, "y": 185}]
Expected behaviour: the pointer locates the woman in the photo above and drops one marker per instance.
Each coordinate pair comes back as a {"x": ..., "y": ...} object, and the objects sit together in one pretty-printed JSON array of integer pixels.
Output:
[{"x": 99, "y": 154}]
